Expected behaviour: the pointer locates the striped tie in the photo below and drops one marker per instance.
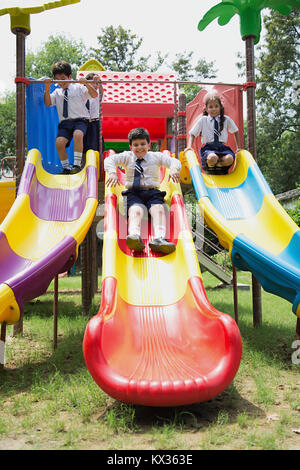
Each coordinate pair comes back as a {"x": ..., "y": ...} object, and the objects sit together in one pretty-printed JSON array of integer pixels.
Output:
[
  {"x": 216, "y": 131},
  {"x": 65, "y": 107},
  {"x": 138, "y": 171}
]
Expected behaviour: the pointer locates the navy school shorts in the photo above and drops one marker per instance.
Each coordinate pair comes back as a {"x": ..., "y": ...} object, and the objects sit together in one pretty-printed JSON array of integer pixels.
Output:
[
  {"x": 91, "y": 138},
  {"x": 217, "y": 148},
  {"x": 142, "y": 197},
  {"x": 67, "y": 127}
]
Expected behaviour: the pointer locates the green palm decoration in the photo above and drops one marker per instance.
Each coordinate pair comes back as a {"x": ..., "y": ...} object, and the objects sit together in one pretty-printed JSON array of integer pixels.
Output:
[
  {"x": 249, "y": 12},
  {"x": 20, "y": 15}
]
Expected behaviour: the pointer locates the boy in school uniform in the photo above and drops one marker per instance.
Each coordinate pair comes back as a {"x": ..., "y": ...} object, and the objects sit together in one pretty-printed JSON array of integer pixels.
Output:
[
  {"x": 70, "y": 101},
  {"x": 142, "y": 188},
  {"x": 92, "y": 137}
]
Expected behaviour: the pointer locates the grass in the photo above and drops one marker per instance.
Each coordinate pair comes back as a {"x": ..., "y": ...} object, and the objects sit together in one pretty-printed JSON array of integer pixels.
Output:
[{"x": 48, "y": 400}]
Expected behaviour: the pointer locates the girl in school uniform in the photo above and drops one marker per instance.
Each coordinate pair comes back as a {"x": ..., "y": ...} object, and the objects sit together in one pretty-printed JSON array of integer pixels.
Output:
[{"x": 213, "y": 126}]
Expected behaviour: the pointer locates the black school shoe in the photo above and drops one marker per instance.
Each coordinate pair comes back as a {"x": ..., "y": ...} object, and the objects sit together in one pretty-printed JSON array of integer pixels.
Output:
[
  {"x": 134, "y": 242},
  {"x": 75, "y": 169},
  {"x": 162, "y": 245},
  {"x": 65, "y": 171}
]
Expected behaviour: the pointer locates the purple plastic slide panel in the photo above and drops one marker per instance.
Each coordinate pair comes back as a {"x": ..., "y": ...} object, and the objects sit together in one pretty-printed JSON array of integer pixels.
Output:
[
  {"x": 27, "y": 175},
  {"x": 60, "y": 205},
  {"x": 11, "y": 263},
  {"x": 36, "y": 277},
  {"x": 92, "y": 182}
]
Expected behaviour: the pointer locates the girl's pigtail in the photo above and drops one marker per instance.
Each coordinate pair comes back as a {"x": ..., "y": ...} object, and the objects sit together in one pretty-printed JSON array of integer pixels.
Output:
[{"x": 222, "y": 118}]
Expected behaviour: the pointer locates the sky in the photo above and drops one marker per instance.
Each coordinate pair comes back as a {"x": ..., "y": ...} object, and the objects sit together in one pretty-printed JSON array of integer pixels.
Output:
[{"x": 169, "y": 26}]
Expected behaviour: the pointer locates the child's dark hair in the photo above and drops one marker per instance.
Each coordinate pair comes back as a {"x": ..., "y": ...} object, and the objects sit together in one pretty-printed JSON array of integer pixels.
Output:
[
  {"x": 138, "y": 133},
  {"x": 91, "y": 75},
  {"x": 205, "y": 113},
  {"x": 61, "y": 67}
]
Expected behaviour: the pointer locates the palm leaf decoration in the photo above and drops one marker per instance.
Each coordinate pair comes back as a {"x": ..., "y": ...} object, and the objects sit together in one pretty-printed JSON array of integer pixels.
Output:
[
  {"x": 249, "y": 12},
  {"x": 20, "y": 15}
]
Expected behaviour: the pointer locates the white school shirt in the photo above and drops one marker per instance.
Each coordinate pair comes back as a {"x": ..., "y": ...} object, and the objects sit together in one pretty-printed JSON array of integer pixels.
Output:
[
  {"x": 205, "y": 127},
  {"x": 150, "y": 177},
  {"x": 77, "y": 97},
  {"x": 94, "y": 108}
]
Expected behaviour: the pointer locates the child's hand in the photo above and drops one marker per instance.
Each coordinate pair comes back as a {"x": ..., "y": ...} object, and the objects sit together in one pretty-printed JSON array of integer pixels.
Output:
[
  {"x": 112, "y": 180},
  {"x": 174, "y": 176},
  {"x": 48, "y": 82}
]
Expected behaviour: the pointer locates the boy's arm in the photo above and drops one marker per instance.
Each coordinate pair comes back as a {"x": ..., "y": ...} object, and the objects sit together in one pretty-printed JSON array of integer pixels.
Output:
[
  {"x": 93, "y": 93},
  {"x": 47, "y": 98},
  {"x": 110, "y": 164},
  {"x": 190, "y": 142},
  {"x": 174, "y": 165}
]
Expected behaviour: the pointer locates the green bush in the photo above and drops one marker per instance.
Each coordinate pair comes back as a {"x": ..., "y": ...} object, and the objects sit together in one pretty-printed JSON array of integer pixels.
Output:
[{"x": 295, "y": 213}]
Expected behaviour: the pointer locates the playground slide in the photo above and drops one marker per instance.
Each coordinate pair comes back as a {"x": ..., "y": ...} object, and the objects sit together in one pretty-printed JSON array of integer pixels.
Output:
[
  {"x": 251, "y": 224},
  {"x": 156, "y": 339},
  {"x": 40, "y": 236}
]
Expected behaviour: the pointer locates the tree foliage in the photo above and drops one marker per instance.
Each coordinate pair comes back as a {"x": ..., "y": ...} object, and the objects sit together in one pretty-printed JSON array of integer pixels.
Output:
[
  {"x": 8, "y": 125},
  {"x": 57, "y": 47},
  {"x": 186, "y": 71},
  {"x": 278, "y": 103},
  {"x": 119, "y": 51}
]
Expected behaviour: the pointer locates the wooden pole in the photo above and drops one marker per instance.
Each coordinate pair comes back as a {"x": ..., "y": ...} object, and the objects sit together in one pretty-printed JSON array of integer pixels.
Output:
[
  {"x": 181, "y": 122},
  {"x": 2, "y": 345},
  {"x": 20, "y": 123},
  {"x": 55, "y": 312},
  {"x": 298, "y": 328},
  {"x": 235, "y": 295},
  {"x": 251, "y": 136},
  {"x": 84, "y": 276},
  {"x": 169, "y": 132},
  {"x": 175, "y": 121}
]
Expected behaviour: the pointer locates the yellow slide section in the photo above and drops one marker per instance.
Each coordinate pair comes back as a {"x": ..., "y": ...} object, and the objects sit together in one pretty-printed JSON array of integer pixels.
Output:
[{"x": 41, "y": 234}]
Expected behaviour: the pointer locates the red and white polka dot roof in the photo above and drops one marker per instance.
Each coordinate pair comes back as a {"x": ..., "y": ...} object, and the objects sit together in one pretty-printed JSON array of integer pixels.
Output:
[
  {"x": 140, "y": 97},
  {"x": 135, "y": 99}
]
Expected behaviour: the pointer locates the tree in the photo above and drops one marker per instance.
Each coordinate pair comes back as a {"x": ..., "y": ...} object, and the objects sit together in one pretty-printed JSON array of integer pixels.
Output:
[
  {"x": 186, "y": 71},
  {"x": 57, "y": 47},
  {"x": 118, "y": 51},
  {"x": 8, "y": 125},
  {"x": 278, "y": 135}
]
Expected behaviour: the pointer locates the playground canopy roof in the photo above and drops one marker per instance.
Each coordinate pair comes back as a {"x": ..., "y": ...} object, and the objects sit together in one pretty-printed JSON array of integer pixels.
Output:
[{"x": 131, "y": 101}]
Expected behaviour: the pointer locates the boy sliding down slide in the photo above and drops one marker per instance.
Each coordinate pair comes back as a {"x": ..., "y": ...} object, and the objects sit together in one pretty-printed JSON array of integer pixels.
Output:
[{"x": 142, "y": 183}]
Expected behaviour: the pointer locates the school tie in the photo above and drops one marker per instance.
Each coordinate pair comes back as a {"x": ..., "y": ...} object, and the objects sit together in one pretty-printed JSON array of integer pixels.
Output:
[
  {"x": 216, "y": 131},
  {"x": 138, "y": 171},
  {"x": 65, "y": 107},
  {"x": 87, "y": 104}
]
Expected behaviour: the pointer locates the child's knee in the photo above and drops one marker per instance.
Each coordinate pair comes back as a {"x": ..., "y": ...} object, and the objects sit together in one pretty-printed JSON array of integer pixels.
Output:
[
  {"x": 157, "y": 209},
  {"x": 227, "y": 160},
  {"x": 78, "y": 136},
  {"x": 135, "y": 211},
  {"x": 61, "y": 143},
  {"x": 212, "y": 159}
]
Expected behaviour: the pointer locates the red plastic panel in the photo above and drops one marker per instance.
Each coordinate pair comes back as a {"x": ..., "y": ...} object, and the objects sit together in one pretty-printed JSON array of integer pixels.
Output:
[{"x": 117, "y": 128}]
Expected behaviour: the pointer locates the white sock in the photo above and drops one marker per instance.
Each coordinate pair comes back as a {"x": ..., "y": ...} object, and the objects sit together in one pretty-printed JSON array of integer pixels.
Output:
[
  {"x": 77, "y": 158},
  {"x": 65, "y": 164},
  {"x": 134, "y": 230},
  {"x": 159, "y": 231}
]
